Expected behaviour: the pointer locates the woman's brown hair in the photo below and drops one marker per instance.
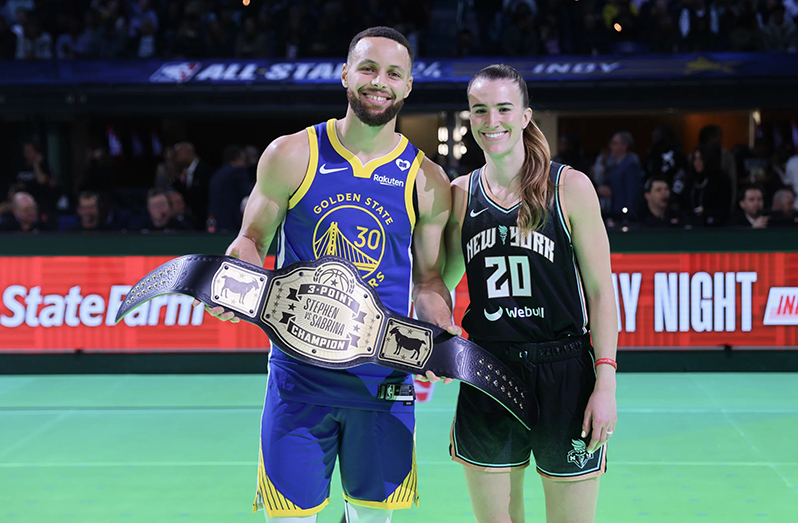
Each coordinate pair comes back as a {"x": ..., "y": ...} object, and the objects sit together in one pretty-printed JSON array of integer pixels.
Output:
[{"x": 535, "y": 184}]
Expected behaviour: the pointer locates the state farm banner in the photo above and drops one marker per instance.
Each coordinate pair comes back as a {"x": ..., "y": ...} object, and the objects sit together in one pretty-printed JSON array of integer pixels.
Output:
[
  {"x": 52, "y": 303},
  {"x": 678, "y": 301}
]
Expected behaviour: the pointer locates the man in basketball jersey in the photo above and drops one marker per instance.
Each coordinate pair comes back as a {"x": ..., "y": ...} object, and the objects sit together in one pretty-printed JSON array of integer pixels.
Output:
[{"x": 352, "y": 188}]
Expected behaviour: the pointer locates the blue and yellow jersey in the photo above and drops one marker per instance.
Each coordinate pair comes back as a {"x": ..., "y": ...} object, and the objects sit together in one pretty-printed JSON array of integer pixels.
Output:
[{"x": 365, "y": 214}]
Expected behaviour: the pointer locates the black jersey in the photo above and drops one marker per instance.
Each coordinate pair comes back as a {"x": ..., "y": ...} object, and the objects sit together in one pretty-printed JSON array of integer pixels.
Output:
[{"x": 523, "y": 287}]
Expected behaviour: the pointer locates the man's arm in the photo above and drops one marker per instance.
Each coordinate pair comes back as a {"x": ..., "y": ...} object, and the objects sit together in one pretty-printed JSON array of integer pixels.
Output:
[
  {"x": 431, "y": 297},
  {"x": 281, "y": 170}
]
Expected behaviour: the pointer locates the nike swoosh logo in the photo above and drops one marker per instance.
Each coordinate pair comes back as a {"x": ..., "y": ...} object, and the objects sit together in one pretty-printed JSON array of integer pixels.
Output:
[
  {"x": 475, "y": 214},
  {"x": 324, "y": 170},
  {"x": 493, "y": 316}
]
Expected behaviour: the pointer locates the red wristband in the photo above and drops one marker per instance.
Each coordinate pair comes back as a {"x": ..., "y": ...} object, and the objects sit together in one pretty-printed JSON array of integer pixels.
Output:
[{"x": 607, "y": 361}]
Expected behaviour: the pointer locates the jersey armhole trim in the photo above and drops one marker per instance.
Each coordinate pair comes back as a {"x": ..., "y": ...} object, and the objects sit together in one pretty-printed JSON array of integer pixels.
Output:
[
  {"x": 310, "y": 173},
  {"x": 558, "y": 186},
  {"x": 410, "y": 187}
]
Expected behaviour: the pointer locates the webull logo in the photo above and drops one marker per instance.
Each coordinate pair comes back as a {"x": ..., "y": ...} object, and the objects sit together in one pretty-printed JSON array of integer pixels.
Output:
[{"x": 29, "y": 307}]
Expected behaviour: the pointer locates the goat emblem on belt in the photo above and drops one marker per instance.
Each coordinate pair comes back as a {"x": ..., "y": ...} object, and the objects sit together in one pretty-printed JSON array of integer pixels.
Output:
[{"x": 406, "y": 343}]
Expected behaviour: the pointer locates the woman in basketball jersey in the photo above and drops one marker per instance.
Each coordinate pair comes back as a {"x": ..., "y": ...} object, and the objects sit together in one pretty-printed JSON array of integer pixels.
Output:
[{"x": 528, "y": 234}]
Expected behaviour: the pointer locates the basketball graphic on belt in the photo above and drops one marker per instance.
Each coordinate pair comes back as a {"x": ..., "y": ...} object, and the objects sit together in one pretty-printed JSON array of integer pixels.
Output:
[{"x": 352, "y": 233}]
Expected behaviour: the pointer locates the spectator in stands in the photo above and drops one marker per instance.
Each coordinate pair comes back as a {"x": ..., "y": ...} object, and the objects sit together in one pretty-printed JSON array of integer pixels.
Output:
[
  {"x": 9, "y": 188},
  {"x": 189, "y": 40},
  {"x": 193, "y": 181},
  {"x": 745, "y": 35},
  {"x": 146, "y": 43},
  {"x": 228, "y": 187},
  {"x": 66, "y": 45},
  {"x": 142, "y": 14},
  {"x": 664, "y": 37},
  {"x": 791, "y": 174},
  {"x": 521, "y": 36},
  {"x": 750, "y": 201},
  {"x": 624, "y": 27},
  {"x": 8, "y": 41},
  {"x": 780, "y": 33},
  {"x": 594, "y": 37},
  {"x": 219, "y": 41},
  {"x": 37, "y": 44},
  {"x": 665, "y": 158},
  {"x": 160, "y": 214},
  {"x": 18, "y": 28},
  {"x": 250, "y": 42},
  {"x": 624, "y": 178},
  {"x": 612, "y": 8},
  {"x": 698, "y": 24},
  {"x": 466, "y": 44},
  {"x": 89, "y": 213},
  {"x": 783, "y": 213},
  {"x": 34, "y": 175},
  {"x": 570, "y": 152},
  {"x": 709, "y": 188},
  {"x": 657, "y": 212},
  {"x": 177, "y": 204},
  {"x": 25, "y": 216},
  {"x": 712, "y": 136},
  {"x": 110, "y": 39}
]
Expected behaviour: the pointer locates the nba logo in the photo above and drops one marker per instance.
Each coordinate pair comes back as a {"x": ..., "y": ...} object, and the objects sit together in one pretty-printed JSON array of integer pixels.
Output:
[
  {"x": 423, "y": 390},
  {"x": 175, "y": 72}
]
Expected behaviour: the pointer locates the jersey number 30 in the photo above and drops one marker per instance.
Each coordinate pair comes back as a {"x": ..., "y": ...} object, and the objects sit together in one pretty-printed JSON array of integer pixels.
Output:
[{"x": 517, "y": 284}]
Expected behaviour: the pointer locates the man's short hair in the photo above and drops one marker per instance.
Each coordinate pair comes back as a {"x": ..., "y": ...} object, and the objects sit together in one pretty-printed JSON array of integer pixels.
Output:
[
  {"x": 656, "y": 178},
  {"x": 741, "y": 192},
  {"x": 155, "y": 191},
  {"x": 381, "y": 32},
  {"x": 627, "y": 138},
  {"x": 86, "y": 195},
  {"x": 232, "y": 153}
]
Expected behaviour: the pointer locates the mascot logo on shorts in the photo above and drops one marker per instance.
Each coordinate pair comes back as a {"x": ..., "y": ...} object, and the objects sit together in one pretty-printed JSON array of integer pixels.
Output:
[
  {"x": 238, "y": 289},
  {"x": 580, "y": 456},
  {"x": 406, "y": 343}
]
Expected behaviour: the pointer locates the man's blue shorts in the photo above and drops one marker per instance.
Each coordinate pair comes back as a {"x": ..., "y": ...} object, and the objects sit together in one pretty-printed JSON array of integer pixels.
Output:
[{"x": 300, "y": 443}]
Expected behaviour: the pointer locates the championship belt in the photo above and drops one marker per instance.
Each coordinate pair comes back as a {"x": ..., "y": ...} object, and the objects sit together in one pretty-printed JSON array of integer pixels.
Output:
[{"x": 323, "y": 313}]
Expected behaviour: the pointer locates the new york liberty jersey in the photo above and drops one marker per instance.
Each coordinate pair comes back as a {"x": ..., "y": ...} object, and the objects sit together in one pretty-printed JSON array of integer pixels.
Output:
[
  {"x": 364, "y": 214},
  {"x": 523, "y": 286}
]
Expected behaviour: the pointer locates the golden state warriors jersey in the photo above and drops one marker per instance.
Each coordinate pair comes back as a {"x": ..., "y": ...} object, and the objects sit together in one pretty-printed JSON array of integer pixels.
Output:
[{"x": 365, "y": 214}]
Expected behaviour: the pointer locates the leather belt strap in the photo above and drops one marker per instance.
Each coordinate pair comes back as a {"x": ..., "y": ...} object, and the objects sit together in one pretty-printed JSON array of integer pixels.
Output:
[{"x": 323, "y": 313}]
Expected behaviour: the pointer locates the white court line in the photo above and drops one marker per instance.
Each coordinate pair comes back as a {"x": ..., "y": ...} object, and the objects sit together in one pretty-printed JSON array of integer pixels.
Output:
[
  {"x": 697, "y": 410},
  {"x": 421, "y": 409},
  {"x": 121, "y": 464}
]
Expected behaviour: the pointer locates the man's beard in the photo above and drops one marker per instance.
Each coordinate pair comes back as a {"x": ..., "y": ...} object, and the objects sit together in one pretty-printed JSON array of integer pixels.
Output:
[{"x": 369, "y": 118}]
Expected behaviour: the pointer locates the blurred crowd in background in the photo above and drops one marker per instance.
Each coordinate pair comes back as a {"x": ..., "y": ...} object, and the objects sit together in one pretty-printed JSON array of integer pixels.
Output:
[
  {"x": 668, "y": 185},
  {"x": 192, "y": 29},
  {"x": 704, "y": 185}
]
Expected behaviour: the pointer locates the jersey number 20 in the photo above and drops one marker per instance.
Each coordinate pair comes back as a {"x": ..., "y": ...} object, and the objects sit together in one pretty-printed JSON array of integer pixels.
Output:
[{"x": 517, "y": 284}]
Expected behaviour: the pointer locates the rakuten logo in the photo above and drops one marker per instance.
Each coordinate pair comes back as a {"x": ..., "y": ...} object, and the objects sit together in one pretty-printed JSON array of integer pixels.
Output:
[{"x": 30, "y": 308}]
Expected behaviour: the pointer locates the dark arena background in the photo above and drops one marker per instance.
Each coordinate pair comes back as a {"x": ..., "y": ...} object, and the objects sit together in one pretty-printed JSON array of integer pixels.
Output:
[{"x": 156, "y": 419}]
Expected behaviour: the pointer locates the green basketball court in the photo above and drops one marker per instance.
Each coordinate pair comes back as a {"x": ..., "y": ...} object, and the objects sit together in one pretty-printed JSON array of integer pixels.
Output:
[{"x": 708, "y": 448}]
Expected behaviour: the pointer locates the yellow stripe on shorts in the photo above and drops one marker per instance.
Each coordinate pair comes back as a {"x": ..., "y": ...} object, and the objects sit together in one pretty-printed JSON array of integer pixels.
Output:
[{"x": 275, "y": 504}]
